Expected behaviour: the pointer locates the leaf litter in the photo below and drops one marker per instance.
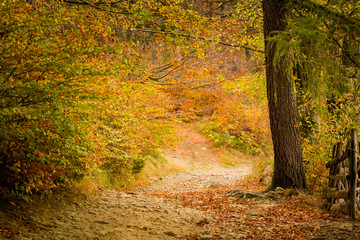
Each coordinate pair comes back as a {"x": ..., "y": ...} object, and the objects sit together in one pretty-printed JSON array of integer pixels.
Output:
[{"x": 190, "y": 205}]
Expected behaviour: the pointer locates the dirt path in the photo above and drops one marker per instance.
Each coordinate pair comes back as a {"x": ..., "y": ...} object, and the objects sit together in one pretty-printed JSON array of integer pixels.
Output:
[
  {"x": 206, "y": 167},
  {"x": 135, "y": 215},
  {"x": 186, "y": 205}
]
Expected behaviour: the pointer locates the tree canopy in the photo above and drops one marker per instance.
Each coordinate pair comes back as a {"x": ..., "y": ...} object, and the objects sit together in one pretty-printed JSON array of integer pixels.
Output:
[{"x": 90, "y": 84}]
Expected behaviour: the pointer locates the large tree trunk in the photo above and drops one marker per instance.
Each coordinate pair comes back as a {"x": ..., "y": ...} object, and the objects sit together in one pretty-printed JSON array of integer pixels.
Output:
[{"x": 288, "y": 162}]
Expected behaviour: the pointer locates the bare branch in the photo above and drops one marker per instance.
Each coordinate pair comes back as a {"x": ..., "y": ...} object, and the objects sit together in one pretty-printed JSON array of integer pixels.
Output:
[
  {"x": 168, "y": 73},
  {"x": 200, "y": 38},
  {"x": 346, "y": 53}
]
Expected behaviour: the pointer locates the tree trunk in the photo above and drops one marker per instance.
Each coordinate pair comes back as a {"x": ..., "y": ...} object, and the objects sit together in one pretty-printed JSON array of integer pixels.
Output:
[{"x": 288, "y": 162}]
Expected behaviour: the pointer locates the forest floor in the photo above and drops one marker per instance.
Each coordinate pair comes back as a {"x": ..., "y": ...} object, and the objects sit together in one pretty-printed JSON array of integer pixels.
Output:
[{"x": 192, "y": 204}]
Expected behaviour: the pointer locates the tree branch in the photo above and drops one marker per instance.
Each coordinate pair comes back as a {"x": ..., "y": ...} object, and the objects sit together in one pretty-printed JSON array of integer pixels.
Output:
[
  {"x": 346, "y": 53},
  {"x": 337, "y": 160},
  {"x": 316, "y": 8},
  {"x": 168, "y": 73},
  {"x": 200, "y": 38}
]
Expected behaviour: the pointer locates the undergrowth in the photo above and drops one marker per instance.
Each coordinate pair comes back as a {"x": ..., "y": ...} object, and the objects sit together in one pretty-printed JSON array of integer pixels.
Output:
[
  {"x": 151, "y": 165},
  {"x": 243, "y": 141}
]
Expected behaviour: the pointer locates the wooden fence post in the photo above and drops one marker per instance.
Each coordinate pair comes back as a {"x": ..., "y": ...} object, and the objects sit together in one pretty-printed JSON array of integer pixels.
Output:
[
  {"x": 335, "y": 170},
  {"x": 353, "y": 174}
]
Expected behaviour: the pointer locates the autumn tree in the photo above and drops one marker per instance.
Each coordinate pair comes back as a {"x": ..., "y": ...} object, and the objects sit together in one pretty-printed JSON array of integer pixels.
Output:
[
  {"x": 42, "y": 142},
  {"x": 66, "y": 104},
  {"x": 321, "y": 42},
  {"x": 288, "y": 160}
]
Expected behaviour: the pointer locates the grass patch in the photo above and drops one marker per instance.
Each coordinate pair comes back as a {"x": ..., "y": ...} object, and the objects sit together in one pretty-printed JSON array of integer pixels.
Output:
[
  {"x": 88, "y": 186},
  {"x": 229, "y": 163},
  {"x": 156, "y": 167},
  {"x": 119, "y": 180}
]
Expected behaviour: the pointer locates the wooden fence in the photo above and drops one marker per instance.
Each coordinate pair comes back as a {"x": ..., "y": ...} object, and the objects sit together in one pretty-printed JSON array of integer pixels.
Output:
[{"x": 344, "y": 187}]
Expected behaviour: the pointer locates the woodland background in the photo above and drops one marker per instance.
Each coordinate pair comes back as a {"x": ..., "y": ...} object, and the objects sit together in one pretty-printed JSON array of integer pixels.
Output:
[{"x": 93, "y": 87}]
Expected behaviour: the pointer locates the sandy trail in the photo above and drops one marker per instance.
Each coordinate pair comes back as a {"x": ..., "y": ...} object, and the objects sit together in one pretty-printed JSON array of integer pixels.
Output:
[{"x": 133, "y": 215}]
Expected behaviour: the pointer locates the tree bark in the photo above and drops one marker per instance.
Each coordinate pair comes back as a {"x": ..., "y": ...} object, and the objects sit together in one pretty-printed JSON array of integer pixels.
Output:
[{"x": 288, "y": 160}]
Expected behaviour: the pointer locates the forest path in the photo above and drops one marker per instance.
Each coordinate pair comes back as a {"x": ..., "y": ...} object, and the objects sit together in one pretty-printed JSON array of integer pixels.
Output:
[
  {"x": 186, "y": 205},
  {"x": 205, "y": 167},
  {"x": 112, "y": 215}
]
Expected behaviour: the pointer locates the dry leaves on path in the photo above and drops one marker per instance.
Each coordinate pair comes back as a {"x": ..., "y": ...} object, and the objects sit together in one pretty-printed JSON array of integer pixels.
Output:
[{"x": 287, "y": 218}]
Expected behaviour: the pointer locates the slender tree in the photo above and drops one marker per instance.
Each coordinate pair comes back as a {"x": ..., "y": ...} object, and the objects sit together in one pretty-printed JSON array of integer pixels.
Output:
[{"x": 288, "y": 162}]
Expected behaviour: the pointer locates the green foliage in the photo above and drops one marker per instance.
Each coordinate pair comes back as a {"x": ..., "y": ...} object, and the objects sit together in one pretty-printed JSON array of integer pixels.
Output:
[
  {"x": 321, "y": 42},
  {"x": 321, "y": 47}
]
